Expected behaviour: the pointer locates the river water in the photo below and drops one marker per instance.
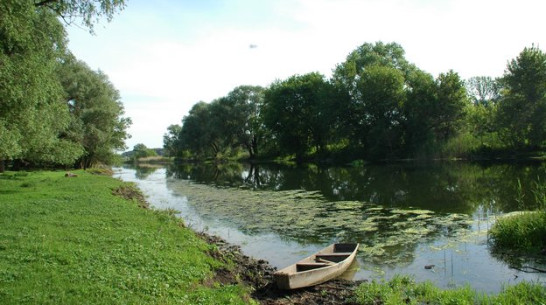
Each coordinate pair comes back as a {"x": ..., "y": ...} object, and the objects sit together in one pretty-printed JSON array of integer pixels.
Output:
[{"x": 405, "y": 216}]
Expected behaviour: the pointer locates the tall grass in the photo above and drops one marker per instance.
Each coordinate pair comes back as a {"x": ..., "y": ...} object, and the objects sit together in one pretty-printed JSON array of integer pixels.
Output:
[
  {"x": 524, "y": 232},
  {"x": 402, "y": 290}
]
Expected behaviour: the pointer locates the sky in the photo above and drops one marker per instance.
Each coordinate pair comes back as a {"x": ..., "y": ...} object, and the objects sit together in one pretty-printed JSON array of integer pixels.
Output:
[{"x": 166, "y": 55}]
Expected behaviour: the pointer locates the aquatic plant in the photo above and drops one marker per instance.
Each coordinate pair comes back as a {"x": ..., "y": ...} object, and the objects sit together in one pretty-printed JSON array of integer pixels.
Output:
[{"x": 385, "y": 233}]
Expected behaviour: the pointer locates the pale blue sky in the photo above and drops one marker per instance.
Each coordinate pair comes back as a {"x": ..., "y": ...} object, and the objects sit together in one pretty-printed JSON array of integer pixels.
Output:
[{"x": 166, "y": 55}]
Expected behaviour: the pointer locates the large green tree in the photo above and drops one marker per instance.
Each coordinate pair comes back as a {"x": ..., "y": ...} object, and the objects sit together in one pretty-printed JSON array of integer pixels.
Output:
[
  {"x": 197, "y": 134},
  {"x": 362, "y": 76},
  {"x": 34, "y": 119},
  {"x": 32, "y": 113},
  {"x": 382, "y": 96},
  {"x": 97, "y": 121},
  {"x": 241, "y": 122},
  {"x": 296, "y": 111},
  {"x": 522, "y": 109},
  {"x": 419, "y": 112},
  {"x": 449, "y": 110}
]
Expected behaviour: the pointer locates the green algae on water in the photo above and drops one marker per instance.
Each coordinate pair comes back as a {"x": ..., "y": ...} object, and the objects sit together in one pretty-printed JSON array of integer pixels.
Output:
[{"x": 385, "y": 234}]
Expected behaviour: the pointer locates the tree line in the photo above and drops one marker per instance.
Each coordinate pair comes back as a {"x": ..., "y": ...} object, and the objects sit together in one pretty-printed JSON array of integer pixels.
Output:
[
  {"x": 376, "y": 106},
  {"x": 54, "y": 109}
]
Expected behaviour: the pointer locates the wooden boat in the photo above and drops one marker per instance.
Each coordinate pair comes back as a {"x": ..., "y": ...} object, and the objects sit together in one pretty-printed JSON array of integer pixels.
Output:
[{"x": 320, "y": 267}]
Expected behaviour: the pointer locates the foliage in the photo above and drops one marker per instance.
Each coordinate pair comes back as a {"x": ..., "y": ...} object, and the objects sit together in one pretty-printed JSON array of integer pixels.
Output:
[
  {"x": 483, "y": 90},
  {"x": 71, "y": 241},
  {"x": 47, "y": 116},
  {"x": 247, "y": 103},
  {"x": 522, "y": 109},
  {"x": 225, "y": 125},
  {"x": 197, "y": 133},
  {"x": 96, "y": 112},
  {"x": 362, "y": 76},
  {"x": 404, "y": 290},
  {"x": 141, "y": 151},
  {"x": 382, "y": 96},
  {"x": 295, "y": 110},
  {"x": 376, "y": 106},
  {"x": 33, "y": 115},
  {"x": 171, "y": 140},
  {"x": 89, "y": 11}
]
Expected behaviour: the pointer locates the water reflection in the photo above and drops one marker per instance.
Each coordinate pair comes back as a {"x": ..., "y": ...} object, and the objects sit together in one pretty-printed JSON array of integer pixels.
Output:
[{"x": 441, "y": 187}]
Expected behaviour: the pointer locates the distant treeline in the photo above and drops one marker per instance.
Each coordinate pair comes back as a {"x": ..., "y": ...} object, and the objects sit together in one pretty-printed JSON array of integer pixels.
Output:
[
  {"x": 376, "y": 106},
  {"x": 54, "y": 109}
]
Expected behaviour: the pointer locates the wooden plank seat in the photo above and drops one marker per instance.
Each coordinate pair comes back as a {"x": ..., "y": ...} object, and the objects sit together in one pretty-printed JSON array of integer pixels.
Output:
[
  {"x": 332, "y": 257},
  {"x": 335, "y": 254},
  {"x": 310, "y": 266}
]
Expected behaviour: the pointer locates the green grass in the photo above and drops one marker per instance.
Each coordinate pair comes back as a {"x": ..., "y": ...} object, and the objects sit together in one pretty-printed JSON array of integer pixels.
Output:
[
  {"x": 523, "y": 232},
  {"x": 70, "y": 241},
  {"x": 404, "y": 290}
]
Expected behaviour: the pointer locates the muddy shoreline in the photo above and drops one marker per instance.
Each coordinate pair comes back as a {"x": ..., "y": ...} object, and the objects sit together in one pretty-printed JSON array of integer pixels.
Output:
[{"x": 258, "y": 275}]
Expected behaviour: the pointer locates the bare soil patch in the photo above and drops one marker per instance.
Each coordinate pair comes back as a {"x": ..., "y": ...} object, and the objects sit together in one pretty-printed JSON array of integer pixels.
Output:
[{"x": 131, "y": 192}]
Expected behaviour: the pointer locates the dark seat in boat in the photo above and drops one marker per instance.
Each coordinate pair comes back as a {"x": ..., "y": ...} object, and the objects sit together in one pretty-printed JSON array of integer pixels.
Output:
[{"x": 309, "y": 266}]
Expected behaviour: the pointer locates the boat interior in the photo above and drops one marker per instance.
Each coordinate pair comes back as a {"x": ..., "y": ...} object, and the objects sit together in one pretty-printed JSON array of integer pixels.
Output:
[{"x": 321, "y": 260}]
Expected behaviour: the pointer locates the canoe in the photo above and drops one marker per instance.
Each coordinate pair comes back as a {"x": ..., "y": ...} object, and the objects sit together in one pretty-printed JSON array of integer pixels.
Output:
[{"x": 318, "y": 268}]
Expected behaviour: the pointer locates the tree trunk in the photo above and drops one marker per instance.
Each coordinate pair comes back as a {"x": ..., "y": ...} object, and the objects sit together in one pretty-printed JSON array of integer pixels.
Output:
[
  {"x": 254, "y": 146},
  {"x": 2, "y": 167}
]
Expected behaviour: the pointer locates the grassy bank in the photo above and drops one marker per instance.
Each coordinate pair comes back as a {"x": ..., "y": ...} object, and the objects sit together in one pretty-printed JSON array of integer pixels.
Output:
[
  {"x": 71, "y": 241},
  {"x": 404, "y": 290}
]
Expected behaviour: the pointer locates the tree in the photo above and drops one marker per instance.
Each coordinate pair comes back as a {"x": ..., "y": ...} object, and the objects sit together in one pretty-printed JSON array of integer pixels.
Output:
[
  {"x": 483, "y": 89},
  {"x": 195, "y": 135},
  {"x": 421, "y": 97},
  {"x": 243, "y": 105},
  {"x": 295, "y": 111},
  {"x": 171, "y": 141},
  {"x": 522, "y": 109},
  {"x": 379, "y": 54},
  {"x": 141, "y": 151},
  {"x": 382, "y": 96},
  {"x": 386, "y": 61},
  {"x": 96, "y": 110},
  {"x": 89, "y": 11},
  {"x": 450, "y": 106},
  {"x": 33, "y": 115}
]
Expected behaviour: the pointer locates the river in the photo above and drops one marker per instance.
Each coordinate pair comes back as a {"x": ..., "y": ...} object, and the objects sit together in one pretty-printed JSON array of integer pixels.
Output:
[{"x": 406, "y": 216}]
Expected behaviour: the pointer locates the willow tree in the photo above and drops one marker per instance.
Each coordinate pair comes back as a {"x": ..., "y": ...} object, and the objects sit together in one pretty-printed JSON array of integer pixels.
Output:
[
  {"x": 97, "y": 123},
  {"x": 33, "y": 114},
  {"x": 34, "y": 117}
]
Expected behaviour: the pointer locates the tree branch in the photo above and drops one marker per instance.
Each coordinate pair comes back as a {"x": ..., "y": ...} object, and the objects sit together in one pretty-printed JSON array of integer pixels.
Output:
[{"x": 44, "y": 3}]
